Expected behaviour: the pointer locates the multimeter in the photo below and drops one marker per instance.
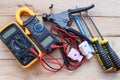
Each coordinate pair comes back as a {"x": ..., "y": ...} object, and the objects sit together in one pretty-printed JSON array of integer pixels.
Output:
[
  {"x": 38, "y": 31},
  {"x": 19, "y": 44}
]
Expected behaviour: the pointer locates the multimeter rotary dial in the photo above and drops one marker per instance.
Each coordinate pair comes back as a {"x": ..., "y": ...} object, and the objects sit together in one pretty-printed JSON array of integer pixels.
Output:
[
  {"x": 38, "y": 27},
  {"x": 18, "y": 44}
]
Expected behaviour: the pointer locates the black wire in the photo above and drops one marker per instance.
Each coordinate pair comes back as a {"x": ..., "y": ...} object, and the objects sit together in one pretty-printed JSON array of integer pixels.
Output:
[
  {"x": 51, "y": 66},
  {"x": 67, "y": 62},
  {"x": 78, "y": 34}
]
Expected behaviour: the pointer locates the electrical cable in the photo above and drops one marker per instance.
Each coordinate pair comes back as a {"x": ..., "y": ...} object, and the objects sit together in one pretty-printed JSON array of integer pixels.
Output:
[
  {"x": 44, "y": 61},
  {"x": 68, "y": 38}
]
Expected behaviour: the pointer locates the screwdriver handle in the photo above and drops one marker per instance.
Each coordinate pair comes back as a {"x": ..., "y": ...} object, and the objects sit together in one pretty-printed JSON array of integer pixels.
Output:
[
  {"x": 102, "y": 55},
  {"x": 113, "y": 56}
]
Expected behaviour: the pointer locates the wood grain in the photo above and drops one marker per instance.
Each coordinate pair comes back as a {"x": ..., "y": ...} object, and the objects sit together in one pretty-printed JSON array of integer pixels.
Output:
[
  {"x": 103, "y": 8},
  {"x": 94, "y": 71},
  {"x": 106, "y": 15},
  {"x": 114, "y": 42},
  {"x": 103, "y": 23}
]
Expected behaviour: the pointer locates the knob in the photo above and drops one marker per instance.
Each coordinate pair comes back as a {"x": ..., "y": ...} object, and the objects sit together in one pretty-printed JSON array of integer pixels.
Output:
[{"x": 38, "y": 27}]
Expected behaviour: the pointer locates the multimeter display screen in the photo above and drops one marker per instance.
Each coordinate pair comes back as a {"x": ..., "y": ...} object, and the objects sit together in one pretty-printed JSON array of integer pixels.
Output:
[
  {"x": 47, "y": 41},
  {"x": 9, "y": 32}
]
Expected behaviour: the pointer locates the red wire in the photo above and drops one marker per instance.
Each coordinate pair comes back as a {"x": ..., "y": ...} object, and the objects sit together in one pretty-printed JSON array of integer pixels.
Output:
[
  {"x": 54, "y": 59},
  {"x": 68, "y": 34},
  {"x": 51, "y": 30},
  {"x": 57, "y": 61},
  {"x": 62, "y": 31},
  {"x": 41, "y": 60},
  {"x": 69, "y": 40},
  {"x": 76, "y": 65}
]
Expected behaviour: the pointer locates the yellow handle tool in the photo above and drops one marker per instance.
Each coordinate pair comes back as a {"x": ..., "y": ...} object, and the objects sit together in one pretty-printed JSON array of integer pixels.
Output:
[
  {"x": 111, "y": 53},
  {"x": 101, "y": 53}
]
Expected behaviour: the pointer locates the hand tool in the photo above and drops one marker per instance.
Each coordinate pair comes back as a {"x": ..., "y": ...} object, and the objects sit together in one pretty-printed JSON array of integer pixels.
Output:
[
  {"x": 105, "y": 44},
  {"x": 80, "y": 26},
  {"x": 63, "y": 20},
  {"x": 19, "y": 44},
  {"x": 101, "y": 54},
  {"x": 86, "y": 49},
  {"x": 38, "y": 31}
]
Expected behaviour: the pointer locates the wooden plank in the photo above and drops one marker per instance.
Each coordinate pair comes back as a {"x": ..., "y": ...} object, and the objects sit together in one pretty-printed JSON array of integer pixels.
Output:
[
  {"x": 103, "y": 8},
  {"x": 109, "y": 27},
  {"x": 11, "y": 71},
  {"x": 114, "y": 42},
  {"x": 106, "y": 15},
  {"x": 103, "y": 23}
]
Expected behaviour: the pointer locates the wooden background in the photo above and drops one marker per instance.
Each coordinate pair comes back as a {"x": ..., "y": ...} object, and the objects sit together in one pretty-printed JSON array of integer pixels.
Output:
[{"x": 106, "y": 15}]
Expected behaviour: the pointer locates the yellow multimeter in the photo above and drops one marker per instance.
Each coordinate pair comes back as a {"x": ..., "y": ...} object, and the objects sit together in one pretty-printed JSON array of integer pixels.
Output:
[{"x": 19, "y": 44}]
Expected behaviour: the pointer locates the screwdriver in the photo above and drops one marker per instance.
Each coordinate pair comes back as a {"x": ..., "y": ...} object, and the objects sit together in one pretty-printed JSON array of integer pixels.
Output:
[
  {"x": 79, "y": 24},
  {"x": 82, "y": 30},
  {"x": 102, "y": 56},
  {"x": 105, "y": 44}
]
